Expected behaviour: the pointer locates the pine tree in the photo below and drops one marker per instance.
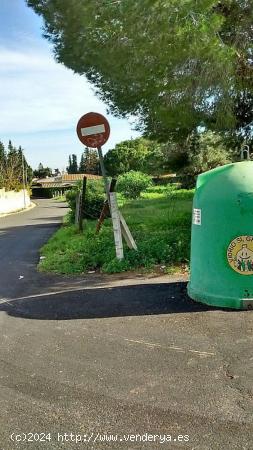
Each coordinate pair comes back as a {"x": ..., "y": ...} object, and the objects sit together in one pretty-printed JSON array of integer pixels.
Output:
[
  {"x": 82, "y": 166},
  {"x": 2, "y": 153},
  {"x": 72, "y": 167},
  {"x": 28, "y": 172},
  {"x": 13, "y": 176},
  {"x": 10, "y": 147},
  {"x": 89, "y": 162},
  {"x": 22, "y": 165},
  {"x": 93, "y": 162},
  {"x": 69, "y": 167},
  {"x": 2, "y": 164},
  {"x": 74, "y": 164}
]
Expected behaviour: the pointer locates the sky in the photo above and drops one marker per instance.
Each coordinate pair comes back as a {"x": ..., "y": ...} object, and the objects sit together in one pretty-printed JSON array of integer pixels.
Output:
[{"x": 41, "y": 100}]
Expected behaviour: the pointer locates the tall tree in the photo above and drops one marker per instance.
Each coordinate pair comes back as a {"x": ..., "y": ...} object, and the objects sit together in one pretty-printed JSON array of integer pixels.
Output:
[
  {"x": 2, "y": 152},
  {"x": 28, "y": 172},
  {"x": 187, "y": 63},
  {"x": 2, "y": 164},
  {"x": 89, "y": 162},
  {"x": 13, "y": 175},
  {"x": 82, "y": 166},
  {"x": 69, "y": 167},
  {"x": 73, "y": 166}
]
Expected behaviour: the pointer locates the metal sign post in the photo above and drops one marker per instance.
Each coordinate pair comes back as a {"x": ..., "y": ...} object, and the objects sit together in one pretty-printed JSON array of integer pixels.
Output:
[
  {"x": 78, "y": 207},
  {"x": 106, "y": 182},
  {"x": 93, "y": 130}
]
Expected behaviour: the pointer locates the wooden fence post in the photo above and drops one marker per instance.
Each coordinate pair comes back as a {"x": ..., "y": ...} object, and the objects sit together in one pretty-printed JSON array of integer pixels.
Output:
[
  {"x": 78, "y": 202},
  {"x": 80, "y": 205}
]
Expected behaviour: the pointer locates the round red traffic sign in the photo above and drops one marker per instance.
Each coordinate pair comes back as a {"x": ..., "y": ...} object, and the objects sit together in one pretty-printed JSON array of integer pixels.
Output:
[{"x": 93, "y": 130}]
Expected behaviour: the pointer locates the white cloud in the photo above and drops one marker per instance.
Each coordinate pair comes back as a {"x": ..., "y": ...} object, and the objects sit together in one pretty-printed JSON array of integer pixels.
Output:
[
  {"x": 39, "y": 94},
  {"x": 14, "y": 60},
  {"x": 41, "y": 102}
]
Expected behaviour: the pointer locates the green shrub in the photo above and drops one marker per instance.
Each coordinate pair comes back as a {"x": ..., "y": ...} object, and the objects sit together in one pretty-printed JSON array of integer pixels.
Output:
[
  {"x": 71, "y": 200},
  {"x": 94, "y": 199},
  {"x": 132, "y": 183}
]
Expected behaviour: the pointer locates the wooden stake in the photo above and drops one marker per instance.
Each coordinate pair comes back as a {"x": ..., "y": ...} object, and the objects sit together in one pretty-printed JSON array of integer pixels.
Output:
[
  {"x": 82, "y": 204},
  {"x": 78, "y": 203},
  {"x": 80, "y": 200},
  {"x": 127, "y": 233}
]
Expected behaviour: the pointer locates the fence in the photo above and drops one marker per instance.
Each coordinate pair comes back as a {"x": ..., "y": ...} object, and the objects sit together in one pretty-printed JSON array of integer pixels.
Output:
[{"x": 13, "y": 201}]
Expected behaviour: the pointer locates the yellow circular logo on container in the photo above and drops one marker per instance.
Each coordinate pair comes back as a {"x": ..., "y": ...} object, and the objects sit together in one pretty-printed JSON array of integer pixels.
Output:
[{"x": 240, "y": 255}]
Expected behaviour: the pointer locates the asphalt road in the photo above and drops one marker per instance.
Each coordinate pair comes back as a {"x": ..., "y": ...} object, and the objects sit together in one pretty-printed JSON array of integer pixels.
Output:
[
  {"x": 95, "y": 357},
  {"x": 21, "y": 236}
]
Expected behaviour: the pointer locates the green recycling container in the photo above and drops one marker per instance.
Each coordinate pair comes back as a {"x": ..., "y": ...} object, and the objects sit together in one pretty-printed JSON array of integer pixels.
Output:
[{"x": 222, "y": 237}]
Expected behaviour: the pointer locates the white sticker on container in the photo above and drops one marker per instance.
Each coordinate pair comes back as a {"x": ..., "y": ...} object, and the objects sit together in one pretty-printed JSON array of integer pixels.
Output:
[{"x": 196, "y": 217}]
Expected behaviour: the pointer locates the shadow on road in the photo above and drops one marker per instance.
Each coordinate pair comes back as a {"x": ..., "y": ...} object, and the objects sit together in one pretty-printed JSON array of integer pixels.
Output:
[
  {"x": 54, "y": 219},
  {"x": 137, "y": 300}
]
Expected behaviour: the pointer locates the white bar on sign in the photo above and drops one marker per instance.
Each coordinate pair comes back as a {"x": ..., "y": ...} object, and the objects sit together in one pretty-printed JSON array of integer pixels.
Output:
[{"x": 93, "y": 130}]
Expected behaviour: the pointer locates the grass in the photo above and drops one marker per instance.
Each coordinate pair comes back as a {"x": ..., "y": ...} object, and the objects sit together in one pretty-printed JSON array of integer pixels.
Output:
[{"x": 160, "y": 222}]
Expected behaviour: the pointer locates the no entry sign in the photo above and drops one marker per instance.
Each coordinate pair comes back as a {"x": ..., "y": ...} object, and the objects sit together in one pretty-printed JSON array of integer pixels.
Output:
[{"x": 93, "y": 130}]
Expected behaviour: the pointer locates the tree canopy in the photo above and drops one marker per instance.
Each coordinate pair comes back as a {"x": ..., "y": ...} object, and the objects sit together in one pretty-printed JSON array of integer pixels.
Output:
[
  {"x": 42, "y": 172},
  {"x": 201, "y": 152},
  {"x": 14, "y": 169},
  {"x": 175, "y": 64},
  {"x": 135, "y": 154}
]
